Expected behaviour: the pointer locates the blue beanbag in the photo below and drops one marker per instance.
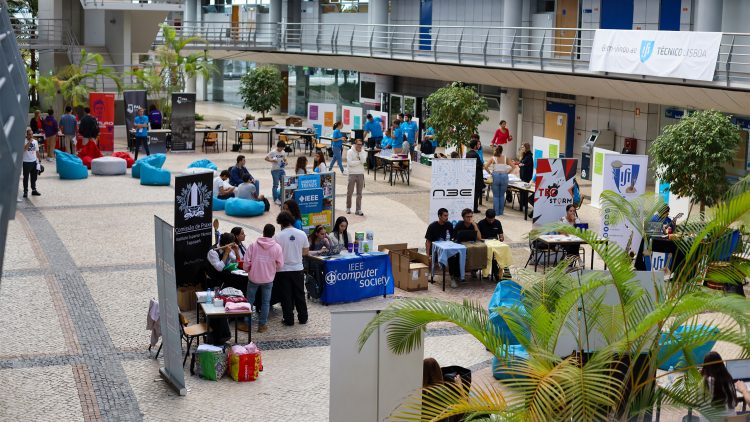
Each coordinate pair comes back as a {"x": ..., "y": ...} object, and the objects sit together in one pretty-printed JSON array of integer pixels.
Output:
[
  {"x": 155, "y": 160},
  {"x": 205, "y": 164},
  {"x": 507, "y": 293},
  {"x": 153, "y": 176},
  {"x": 677, "y": 359},
  {"x": 237, "y": 207},
  {"x": 218, "y": 204},
  {"x": 515, "y": 354},
  {"x": 70, "y": 167}
]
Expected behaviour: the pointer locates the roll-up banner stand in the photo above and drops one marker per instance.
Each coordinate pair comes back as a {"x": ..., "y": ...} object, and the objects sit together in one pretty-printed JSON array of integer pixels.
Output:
[
  {"x": 597, "y": 174},
  {"x": 554, "y": 189},
  {"x": 316, "y": 196},
  {"x": 452, "y": 187},
  {"x": 102, "y": 106},
  {"x": 192, "y": 224},
  {"x": 183, "y": 122},
  {"x": 625, "y": 175},
  {"x": 133, "y": 101}
]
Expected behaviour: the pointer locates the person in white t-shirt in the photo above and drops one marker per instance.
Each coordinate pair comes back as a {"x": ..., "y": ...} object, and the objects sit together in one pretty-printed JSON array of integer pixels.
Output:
[
  {"x": 30, "y": 163},
  {"x": 290, "y": 279},
  {"x": 277, "y": 158},
  {"x": 355, "y": 160},
  {"x": 222, "y": 188}
]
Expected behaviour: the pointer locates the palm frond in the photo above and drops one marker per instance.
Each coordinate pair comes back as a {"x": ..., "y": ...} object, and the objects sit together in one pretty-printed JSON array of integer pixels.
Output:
[{"x": 441, "y": 401}]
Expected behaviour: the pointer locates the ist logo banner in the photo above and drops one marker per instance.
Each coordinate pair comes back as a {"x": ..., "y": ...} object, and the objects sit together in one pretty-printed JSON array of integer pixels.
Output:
[{"x": 647, "y": 49}]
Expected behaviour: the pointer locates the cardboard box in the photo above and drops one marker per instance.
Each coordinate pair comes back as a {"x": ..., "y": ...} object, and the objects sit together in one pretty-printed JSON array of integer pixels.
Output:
[{"x": 410, "y": 269}]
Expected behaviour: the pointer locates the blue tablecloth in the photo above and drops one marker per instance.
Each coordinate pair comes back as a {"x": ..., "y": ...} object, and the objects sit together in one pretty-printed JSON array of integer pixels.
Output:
[
  {"x": 349, "y": 278},
  {"x": 444, "y": 249}
]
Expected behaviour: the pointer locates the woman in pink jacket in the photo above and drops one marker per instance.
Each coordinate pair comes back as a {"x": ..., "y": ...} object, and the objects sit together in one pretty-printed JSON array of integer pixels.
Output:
[{"x": 262, "y": 259}]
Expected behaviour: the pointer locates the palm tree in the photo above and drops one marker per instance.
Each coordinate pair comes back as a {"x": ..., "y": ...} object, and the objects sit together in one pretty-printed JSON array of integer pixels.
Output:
[
  {"x": 72, "y": 81},
  {"x": 617, "y": 322}
]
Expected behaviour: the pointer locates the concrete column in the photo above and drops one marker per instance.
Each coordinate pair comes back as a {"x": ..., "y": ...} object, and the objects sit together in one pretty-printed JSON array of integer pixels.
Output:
[
  {"x": 707, "y": 15},
  {"x": 512, "y": 13},
  {"x": 377, "y": 14},
  {"x": 191, "y": 84},
  {"x": 274, "y": 17},
  {"x": 509, "y": 113},
  {"x": 190, "y": 14},
  {"x": 218, "y": 79}
]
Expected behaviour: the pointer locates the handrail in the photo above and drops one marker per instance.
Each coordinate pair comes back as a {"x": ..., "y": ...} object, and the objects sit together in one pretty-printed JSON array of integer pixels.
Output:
[{"x": 531, "y": 48}]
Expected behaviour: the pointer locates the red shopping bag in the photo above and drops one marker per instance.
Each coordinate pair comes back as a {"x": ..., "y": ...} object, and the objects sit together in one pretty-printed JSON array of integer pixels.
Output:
[{"x": 244, "y": 367}]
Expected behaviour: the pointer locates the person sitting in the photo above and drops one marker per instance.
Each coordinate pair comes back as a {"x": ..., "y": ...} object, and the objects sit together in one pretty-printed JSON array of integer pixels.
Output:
[
  {"x": 246, "y": 190},
  {"x": 387, "y": 142},
  {"x": 718, "y": 384},
  {"x": 426, "y": 147},
  {"x": 239, "y": 237},
  {"x": 319, "y": 241},
  {"x": 571, "y": 218},
  {"x": 292, "y": 207},
  {"x": 431, "y": 373},
  {"x": 466, "y": 230},
  {"x": 319, "y": 163},
  {"x": 222, "y": 188},
  {"x": 226, "y": 254},
  {"x": 339, "y": 235},
  {"x": 490, "y": 227},
  {"x": 301, "y": 166},
  {"x": 663, "y": 217},
  {"x": 238, "y": 170}
]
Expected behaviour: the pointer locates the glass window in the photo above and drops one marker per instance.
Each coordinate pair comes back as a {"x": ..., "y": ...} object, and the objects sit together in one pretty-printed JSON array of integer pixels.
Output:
[{"x": 344, "y": 6}]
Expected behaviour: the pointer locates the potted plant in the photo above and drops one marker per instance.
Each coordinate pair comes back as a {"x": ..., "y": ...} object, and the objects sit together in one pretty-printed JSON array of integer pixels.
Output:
[
  {"x": 261, "y": 89},
  {"x": 616, "y": 380},
  {"x": 455, "y": 113}
]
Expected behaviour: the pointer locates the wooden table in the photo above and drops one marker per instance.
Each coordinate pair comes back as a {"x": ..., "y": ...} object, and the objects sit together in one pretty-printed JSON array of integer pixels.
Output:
[
  {"x": 390, "y": 162},
  {"x": 222, "y": 132},
  {"x": 211, "y": 311},
  {"x": 266, "y": 132}
]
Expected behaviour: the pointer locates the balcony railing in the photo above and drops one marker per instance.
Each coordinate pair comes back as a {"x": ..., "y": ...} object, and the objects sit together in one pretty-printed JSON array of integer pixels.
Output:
[{"x": 563, "y": 50}]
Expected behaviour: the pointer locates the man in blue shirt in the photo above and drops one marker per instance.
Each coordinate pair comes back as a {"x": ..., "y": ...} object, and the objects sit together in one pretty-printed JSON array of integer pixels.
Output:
[
  {"x": 430, "y": 136},
  {"x": 69, "y": 126},
  {"x": 398, "y": 134},
  {"x": 373, "y": 127},
  {"x": 140, "y": 123},
  {"x": 411, "y": 129}
]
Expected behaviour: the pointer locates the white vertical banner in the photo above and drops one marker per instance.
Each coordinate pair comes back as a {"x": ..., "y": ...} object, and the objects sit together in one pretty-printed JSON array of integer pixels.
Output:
[
  {"x": 597, "y": 174},
  {"x": 544, "y": 148},
  {"x": 351, "y": 118},
  {"x": 452, "y": 187},
  {"x": 322, "y": 116},
  {"x": 625, "y": 175},
  {"x": 554, "y": 189}
]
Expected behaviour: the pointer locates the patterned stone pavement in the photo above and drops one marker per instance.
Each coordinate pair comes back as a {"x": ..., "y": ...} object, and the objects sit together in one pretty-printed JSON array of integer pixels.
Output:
[{"x": 79, "y": 273}]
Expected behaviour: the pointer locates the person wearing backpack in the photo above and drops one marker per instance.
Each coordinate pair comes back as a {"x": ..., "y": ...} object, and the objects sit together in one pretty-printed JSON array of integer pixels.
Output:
[{"x": 262, "y": 259}]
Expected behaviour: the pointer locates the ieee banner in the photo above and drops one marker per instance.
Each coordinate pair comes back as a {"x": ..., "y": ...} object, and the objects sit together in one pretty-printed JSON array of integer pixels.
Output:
[
  {"x": 357, "y": 277},
  {"x": 192, "y": 224},
  {"x": 671, "y": 54},
  {"x": 625, "y": 175}
]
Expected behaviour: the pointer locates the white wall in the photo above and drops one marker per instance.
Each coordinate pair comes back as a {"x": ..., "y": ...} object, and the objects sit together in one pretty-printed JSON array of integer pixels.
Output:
[{"x": 93, "y": 28}]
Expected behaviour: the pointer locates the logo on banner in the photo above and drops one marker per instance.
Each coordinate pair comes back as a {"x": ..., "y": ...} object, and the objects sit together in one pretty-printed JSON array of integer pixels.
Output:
[
  {"x": 133, "y": 108},
  {"x": 440, "y": 193},
  {"x": 183, "y": 100},
  {"x": 193, "y": 200},
  {"x": 310, "y": 181},
  {"x": 310, "y": 200},
  {"x": 625, "y": 176},
  {"x": 365, "y": 277},
  {"x": 647, "y": 49}
]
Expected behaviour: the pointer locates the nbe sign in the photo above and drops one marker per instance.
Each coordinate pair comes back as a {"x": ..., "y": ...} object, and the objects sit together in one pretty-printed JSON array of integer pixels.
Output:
[{"x": 671, "y": 54}]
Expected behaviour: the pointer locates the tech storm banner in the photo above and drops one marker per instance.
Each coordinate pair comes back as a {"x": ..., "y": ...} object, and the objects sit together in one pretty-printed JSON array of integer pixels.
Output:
[{"x": 554, "y": 188}]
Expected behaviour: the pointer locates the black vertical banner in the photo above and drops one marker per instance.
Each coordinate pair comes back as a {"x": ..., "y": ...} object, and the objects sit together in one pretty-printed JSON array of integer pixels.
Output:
[
  {"x": 192, "y": 224},
  {"x": 183, "y": 121},
  {"x": 133, "y": 100}
]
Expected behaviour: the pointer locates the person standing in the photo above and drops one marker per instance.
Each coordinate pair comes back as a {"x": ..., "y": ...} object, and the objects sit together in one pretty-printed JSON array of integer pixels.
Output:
[
  {"x": 154, "y": 117},
  {"x": 277, "y": 158},
  {"x": 526, "y": 172},
  {"x": 69, "y": 128},
  {"x": 290, "y": 279},
  {"x": 141, "y": 132},
  {"x": 88, "y": 127},
  {"x": 30, "y": 161},
  {"x": 474, "y": 152},
  {"x": 37, "y": 123},
  {"x": 50, "y": 133},
  {"x": 397, "y": 133},
  {"x": 262, "y": 261},
  {"x": 502, "y": 135},
  {"x": 499, "y": 166},
  {"x": 355, "y": 159},
  {"x": 337, "y": 144},
  {"x": 411, "y": 130},
  {"x": 375, "y": 130}
]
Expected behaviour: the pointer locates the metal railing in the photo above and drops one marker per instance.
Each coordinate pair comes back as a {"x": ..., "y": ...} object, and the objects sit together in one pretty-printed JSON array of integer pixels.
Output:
[
  {"x": 563, "y": 50},
  {"x": 42, "y": 34},
  {"x": 144, "y": 3}
]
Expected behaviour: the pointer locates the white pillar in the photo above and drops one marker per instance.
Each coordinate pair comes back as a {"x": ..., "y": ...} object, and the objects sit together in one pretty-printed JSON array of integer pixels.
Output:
[
  {"x": 191, "y": 85},
  {"x": 190, "y": 15},
  {"x": 218, "y": 81},
  {"x": 509, "y": 113},
  {"x": 377, "y": 14},
  {"x": 274, "y": 20},
  {"x": 707, "y": 15},
  {"x": 512, "y": 12}
]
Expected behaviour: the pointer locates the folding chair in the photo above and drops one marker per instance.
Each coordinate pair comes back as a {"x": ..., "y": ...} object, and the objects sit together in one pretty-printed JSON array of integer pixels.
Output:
[
  {"x": 247, "y": 138},
  {"x": 211, "y": 139}
]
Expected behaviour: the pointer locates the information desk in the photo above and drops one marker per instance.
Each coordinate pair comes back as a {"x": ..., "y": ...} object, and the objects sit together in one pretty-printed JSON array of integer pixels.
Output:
[
  {"x": 349, "y": 278},
  {"x": 212, "y": 312},
  {"x": 500, "y": 253}
]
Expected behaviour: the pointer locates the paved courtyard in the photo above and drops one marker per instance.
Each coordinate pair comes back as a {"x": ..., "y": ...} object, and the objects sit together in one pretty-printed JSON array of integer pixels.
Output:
[{"x": 79, "y": 273}]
